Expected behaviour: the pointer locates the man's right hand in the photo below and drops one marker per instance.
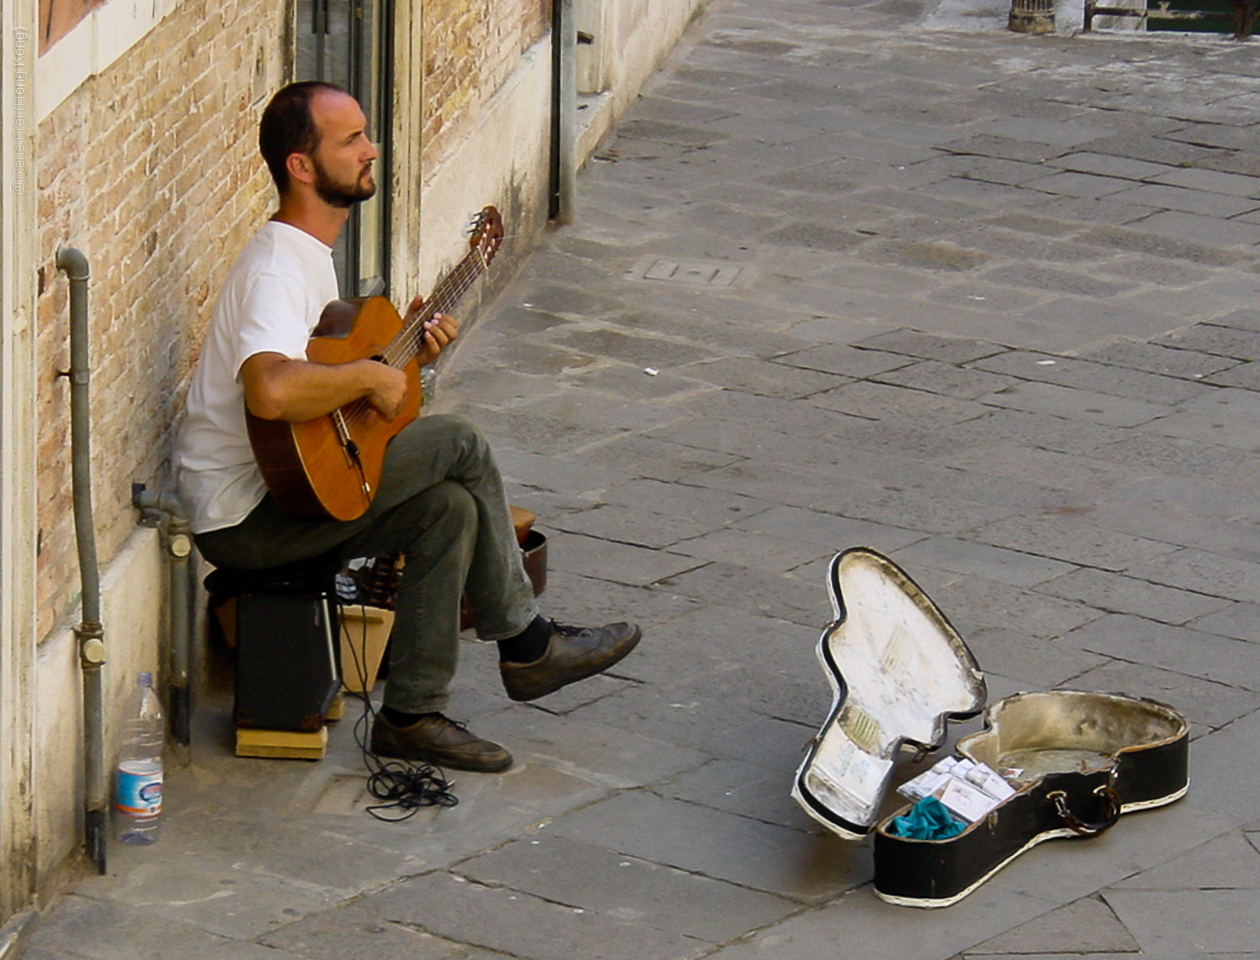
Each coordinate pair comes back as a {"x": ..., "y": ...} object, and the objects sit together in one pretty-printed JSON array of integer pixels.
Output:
[
  {"x": 389, "y": 392},
  {"x": 280, "y": 388}
]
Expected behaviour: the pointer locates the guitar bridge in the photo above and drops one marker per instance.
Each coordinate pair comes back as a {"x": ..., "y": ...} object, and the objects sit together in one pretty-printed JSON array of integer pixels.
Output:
[{"x": 351, "y": 448}]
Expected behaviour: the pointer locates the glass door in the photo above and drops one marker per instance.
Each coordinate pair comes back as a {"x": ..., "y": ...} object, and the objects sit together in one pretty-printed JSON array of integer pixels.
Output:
[{"x": 347, "y": 42}]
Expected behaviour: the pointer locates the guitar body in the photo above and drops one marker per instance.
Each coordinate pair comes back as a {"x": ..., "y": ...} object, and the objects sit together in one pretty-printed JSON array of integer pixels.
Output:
[
  {"x": 328, "y": 468},
  {"x": 307, "y": 465}
]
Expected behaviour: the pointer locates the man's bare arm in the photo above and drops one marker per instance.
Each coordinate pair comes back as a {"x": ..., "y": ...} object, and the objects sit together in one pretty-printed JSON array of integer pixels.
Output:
[{"x": 279, "y": 388}]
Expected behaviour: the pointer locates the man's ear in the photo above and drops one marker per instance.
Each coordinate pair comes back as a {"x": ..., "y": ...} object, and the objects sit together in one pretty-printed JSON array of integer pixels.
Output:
[{"x": 300, "y": 167}]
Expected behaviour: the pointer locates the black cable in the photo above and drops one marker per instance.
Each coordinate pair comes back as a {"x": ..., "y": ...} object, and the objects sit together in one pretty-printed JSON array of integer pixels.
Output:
[{"x": 403, "y": 787}]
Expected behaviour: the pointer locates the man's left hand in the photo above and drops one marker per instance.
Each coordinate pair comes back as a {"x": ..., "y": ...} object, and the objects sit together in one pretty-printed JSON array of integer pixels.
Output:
[{"x": 438, "y": 332}]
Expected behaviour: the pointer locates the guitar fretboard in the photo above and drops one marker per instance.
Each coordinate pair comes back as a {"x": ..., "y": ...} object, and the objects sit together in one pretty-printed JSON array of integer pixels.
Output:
[{"x": 410, "y": 340}]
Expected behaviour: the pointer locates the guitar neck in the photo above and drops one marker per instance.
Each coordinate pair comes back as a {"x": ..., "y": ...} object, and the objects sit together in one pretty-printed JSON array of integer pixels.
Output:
[{"x": 404, "y": 347}]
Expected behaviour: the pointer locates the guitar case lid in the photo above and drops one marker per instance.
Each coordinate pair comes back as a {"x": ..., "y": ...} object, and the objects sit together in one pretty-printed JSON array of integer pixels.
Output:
[{"x": 899, "y": 672}]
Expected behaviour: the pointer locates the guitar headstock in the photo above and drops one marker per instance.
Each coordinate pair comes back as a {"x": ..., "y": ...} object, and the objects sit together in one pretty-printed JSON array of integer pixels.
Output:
[{"x": 486, "y": 233}]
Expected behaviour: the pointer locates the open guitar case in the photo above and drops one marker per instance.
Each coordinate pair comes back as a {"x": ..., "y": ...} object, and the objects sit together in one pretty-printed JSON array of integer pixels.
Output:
[{"x": 900, "y": 672}]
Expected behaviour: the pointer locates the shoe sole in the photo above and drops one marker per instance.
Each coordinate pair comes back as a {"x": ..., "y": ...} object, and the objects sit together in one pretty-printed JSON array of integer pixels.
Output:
[{"x": 533, "y": 693}]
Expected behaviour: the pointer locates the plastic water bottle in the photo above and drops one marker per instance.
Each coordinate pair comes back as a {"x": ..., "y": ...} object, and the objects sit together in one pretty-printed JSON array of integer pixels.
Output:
[
  {"x": 138, "y": 797},
  {"x": 428, "y": 385}
]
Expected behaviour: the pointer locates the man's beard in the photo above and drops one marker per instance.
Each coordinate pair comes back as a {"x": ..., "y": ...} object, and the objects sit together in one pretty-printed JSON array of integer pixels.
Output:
[{"x": 338, "y": 194}]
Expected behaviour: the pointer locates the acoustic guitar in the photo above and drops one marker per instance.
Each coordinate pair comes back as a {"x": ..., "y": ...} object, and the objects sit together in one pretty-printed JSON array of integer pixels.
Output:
[{"x": 328, "y": 468}]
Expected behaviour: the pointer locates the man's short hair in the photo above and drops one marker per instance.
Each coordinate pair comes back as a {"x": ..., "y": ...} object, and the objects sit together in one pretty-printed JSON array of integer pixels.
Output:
[{"x": 287, "y": 127}]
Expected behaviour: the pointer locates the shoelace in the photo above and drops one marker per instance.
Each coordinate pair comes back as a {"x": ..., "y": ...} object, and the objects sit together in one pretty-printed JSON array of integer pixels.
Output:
[{"x": 447, "y": 721}]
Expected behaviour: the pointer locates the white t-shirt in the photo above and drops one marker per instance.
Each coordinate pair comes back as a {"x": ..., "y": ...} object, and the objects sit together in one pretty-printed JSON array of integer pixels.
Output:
[{"x": 270, "y": 302}]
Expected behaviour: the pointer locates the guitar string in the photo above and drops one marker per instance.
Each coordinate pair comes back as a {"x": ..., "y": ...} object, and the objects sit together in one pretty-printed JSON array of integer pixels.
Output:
[
  {"x": 447, "y": 292},
  {"x": 453, "y": 286},
  {"x": 465, "y": 273},
  {"x": 407, "y": 344}
]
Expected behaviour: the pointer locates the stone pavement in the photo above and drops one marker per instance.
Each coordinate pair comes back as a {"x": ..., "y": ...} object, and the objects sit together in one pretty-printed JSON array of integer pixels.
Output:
[{"x": 849, "y": 273}]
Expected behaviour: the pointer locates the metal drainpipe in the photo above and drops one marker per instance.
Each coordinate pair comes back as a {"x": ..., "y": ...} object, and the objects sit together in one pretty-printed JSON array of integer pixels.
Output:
[
  {"x": 564, "y": 111},
  {"x": 179, "y": 544},
  {"x": 89, "y": 632}
]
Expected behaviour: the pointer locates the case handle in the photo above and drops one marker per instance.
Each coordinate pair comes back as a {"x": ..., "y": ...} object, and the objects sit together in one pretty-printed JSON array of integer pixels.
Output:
[{"x": 1111, "y": 805}]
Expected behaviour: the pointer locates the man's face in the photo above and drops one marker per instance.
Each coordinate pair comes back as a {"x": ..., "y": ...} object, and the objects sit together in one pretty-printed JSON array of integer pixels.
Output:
[{"x": 343, "y": 158}]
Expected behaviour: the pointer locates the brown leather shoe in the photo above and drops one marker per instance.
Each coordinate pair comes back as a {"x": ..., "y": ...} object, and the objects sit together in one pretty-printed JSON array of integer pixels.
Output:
[
  {"x": 435, "y": 738},
  {"x": 573, "y": 653}
]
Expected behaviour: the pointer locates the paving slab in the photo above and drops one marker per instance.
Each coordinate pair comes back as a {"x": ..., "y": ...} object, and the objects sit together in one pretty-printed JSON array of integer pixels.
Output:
[
  {"x": 1072, "y": 403},
  {"x": 595, "y": 878},
  {"x": 1035, "y": 663},
  {"x": 95, "y": 930},
  {"x": 1042, "y": 431},
  {"x": 1086, "y": 926},
  {"x": 1081, "y": 474},
  {"x": 1230, "y": 861},
  {"x": 965, "y": 557},
  {"x": 1072, "y": 540},
  {"x": 1237, "y": 620},
  {"x": 617, "y": 562},
  {"x": 357, "y": 930},
  {"x": 680, "y": 717},
  {"x": 970, "y": 291},
  {"x": 497, "y": 918},
  {"x": 1111, "y": 166},
  {"x": 902, "y": 503},
  {"x": 1216, "y": 339},
  {"x": 827, "y": 530},
  {"x": 1086, "y": 375},
  {"x": 1206, "y": 572},
  {"x": 1139, "y": 640},
  {"x": 787, "y": 693},
  {"x": 579, "y": 598},
  {"x": 945, "y": 379},
  {"x": 1236, "y": 232},
  {"x": 708, "y": 638},
  {"x": 585, "y": 750},
  {"x": 772, "y": 552},
  {"x": 986, "y": 602},
  {"x": 743, "y": 788},
  {"x": 1116, "y": 593},
  {"x": 882, "y": 398},
  {"x": 1182, "y": 458},
  {"x": 1173, "y": 922},
  {"x": 642, "y": 528},
  {"x": 761, "y": 856},
  {"x": 864, "y": 926},
  {"x": 1221, "y": 782},
  {"x": 771, "y": 481},
  {"x": 1189, "y": 249}
]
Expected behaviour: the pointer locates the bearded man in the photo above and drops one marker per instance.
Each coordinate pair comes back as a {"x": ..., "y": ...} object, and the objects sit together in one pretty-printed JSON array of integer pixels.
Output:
[{"x": 440, "y": 498}]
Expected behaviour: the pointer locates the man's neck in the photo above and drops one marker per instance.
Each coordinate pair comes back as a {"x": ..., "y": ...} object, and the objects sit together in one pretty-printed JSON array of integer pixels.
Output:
[{"x": 321, "y": 220}]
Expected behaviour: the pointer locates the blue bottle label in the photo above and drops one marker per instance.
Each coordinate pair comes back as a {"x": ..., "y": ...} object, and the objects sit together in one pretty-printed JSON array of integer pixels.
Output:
[{"x": 139, "y": 789}]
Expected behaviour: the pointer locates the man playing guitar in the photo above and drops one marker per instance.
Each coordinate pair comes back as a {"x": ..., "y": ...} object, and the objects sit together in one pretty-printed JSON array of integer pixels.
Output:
[{"x": 439, "y": 498}]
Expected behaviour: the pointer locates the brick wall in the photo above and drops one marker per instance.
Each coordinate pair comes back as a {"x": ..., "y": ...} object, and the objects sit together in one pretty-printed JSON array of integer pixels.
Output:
[
  {"x": 470, "y": 47},
  {"x": 151, "y": 170}
]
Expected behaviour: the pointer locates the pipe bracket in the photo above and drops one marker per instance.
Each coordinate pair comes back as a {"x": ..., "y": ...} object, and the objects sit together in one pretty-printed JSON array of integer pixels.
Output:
[
  {"x": 180, "y": 545},
  {"x": 91, "y": 644}
]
